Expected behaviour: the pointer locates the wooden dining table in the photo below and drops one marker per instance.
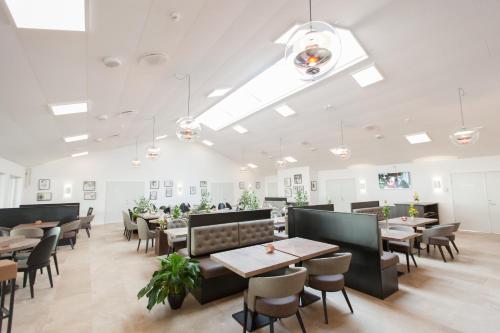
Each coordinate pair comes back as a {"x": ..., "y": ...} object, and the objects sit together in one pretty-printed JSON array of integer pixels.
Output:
[
  {"x": 397, "y": 235},
  {"x": 9, "y": 244},
  {"x": 414, "y": 223},
  {"x": 43, "y": 225}
]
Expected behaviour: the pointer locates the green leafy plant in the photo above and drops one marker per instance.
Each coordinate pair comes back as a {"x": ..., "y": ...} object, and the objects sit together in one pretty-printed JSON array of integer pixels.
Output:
[
  {"x": 412, "y": 211},
  {"x": 143, "y": 205},
  {"x": 249, "y": 200},
  {"x": 176, "y": 212},
  {"x": 254, "y": 201},
  {"x": 386, "y": 210},
  {"x": 300, "y": 198},
  {"x": 176, "y": 276},
  {"x": 205, "y": 202}
]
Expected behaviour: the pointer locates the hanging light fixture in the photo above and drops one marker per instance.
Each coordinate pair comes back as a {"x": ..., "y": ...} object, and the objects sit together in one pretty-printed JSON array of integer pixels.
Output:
[
  {"x": 187, "y": 128},
  {"x": 153, "y": 151},
  {"x": 313, "y": 49},
  {"x": 281, "y": 163},
  {"x": 342, "y": 151},
  {"x": 464, "y": 135},
  {"x": 136, "y": 162}
]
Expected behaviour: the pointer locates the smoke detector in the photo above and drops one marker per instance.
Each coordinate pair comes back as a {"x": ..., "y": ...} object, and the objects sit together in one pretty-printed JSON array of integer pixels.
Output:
[
  {"x": 99, "y": 140},
  {"x": 175, "y": 16},
  {"x": 111, "y": 62},
  {"x": 379, "y": 136},
  {"x": 153, "y": 59}
]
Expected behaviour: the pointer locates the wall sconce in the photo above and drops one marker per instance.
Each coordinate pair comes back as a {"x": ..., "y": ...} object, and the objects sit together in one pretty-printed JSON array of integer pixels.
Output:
[
  {"x": 68, "y": 191},
  {"x": 179, "y": 188},
  {"x": 362, "y": 186},
  {"x": 437, "y": 184}
]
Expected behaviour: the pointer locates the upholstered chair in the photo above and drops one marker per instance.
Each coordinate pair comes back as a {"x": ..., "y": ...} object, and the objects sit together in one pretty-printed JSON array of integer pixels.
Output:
[
  {"x": 130, "y": 227},
  {"x": 275, "y": 296},
  {"x": 4, "y": 231},
  {"x": 405, "y": 247},
  {"x": 69, "y": 231},
  {"x": 179, "y": 242},
  {"x": 451, "y": 237},
  {"x": 438, "y": 236},
  {"x": 327, "y": 275},
  {"x": 85, "y": 223},
  {"x": 56, "y": 231},
  {"x": 144, "y": 233},
  {"x": 27, "y": 232}
]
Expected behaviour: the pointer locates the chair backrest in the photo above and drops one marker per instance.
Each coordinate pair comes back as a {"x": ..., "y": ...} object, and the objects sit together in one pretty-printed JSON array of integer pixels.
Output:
[
  {"x": 221, "y": 206},
  {"x": 142, "y": 228},
  {"x": 437, "y": 231},
  {"x": 228, "y": 205},
  {"x": 184, "y": 207},
  {"x": 289, "y": 284},
  {"x": 338, "y": 263},
  {"x": 40, "y": 255},
  {"x": 56, "y": 231},
  {"x": 456, "y": 225},
  {"x": 85, "y": 221},
  {"x": 177, "y": 223},
  {"x": 70, "y": 226},
  {"x": 90, "y": 211},
  {"x": 4, "y": 231},
  {"x": 27, "y": 232}
]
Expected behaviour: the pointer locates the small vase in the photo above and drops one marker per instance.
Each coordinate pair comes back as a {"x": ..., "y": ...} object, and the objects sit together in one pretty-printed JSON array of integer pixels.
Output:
[
  {"x": 176, "y": 300},
  {"x": 412, "y": 218}
]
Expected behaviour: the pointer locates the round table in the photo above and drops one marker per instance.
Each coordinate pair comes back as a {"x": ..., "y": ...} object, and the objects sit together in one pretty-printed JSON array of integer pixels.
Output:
[{"x": 11, "y": 244}]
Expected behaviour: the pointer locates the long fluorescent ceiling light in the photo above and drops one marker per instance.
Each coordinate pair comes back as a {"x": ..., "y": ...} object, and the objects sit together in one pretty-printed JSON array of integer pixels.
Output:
[
  {"x": 274, "y": 84},
  {"x": 66, "y": 15}
]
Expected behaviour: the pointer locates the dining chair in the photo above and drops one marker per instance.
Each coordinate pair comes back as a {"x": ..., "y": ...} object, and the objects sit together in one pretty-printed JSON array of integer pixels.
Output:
[
  {"x": 327, "y": 275},
  {"x": 130, "y": 227},
  {"x": 405, "y": 247},
  {"x": 69, "y": 231},
  {"x": 27, "y": 232},
  {"x": 451, "y": 237},
  {"x": 144, "y": 233},
  {"x": 437, "y": 235},
  {"x": 275, "y": 296},
  {"x": 89, "y": 211},
  {"x": 175, "y": 243},
  {"x": 38, "y": 259},
  {"x": 85, "y": 223},
  {"x": 56, "y": 231},
  {"x": 228, "y": 206}
]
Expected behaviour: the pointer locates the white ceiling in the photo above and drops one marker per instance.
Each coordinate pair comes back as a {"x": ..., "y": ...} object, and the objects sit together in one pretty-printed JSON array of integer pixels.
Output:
[{"x": 425, "y": 49}]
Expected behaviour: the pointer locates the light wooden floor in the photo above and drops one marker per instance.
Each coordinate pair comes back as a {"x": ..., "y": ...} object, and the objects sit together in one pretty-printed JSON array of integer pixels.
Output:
[{"x": 96, "y": 292}]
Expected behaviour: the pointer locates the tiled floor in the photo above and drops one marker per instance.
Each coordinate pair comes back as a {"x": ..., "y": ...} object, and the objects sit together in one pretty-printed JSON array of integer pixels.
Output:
[{"x": 96, "y": 292}]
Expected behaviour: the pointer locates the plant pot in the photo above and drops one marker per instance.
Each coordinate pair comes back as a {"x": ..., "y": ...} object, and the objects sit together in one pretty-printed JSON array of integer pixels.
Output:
[{"x": 176, "y": 300}]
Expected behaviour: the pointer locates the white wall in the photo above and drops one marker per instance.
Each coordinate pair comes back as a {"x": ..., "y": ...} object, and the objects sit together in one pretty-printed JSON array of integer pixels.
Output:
[
  {"x": 11, "y": 183},
  {"x": 422, "y": 175},
  {"x": 289, "y": 173},
  {"x": 184, "y": 163}
]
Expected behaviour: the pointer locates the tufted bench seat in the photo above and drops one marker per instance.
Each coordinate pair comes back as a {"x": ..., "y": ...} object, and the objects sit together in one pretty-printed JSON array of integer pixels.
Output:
[{"x": 371, "y": 210}]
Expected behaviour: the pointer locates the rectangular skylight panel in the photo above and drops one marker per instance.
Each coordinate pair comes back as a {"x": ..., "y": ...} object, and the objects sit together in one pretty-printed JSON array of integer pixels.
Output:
[
  {"x": 219, "y": 92},
  {"x": 290, "y": 159},
  {"x": 80, "y": 154},
  {"x": 367, "y": 76},
  {"x": 66, "y": 15},
  {"x": 76, "y": 138},
  {"x": 284, "y": 110},
  {"x": 416, "y": 138},
  {"x": 64, "y": 109},
  {"x": 240, "y": 129}
]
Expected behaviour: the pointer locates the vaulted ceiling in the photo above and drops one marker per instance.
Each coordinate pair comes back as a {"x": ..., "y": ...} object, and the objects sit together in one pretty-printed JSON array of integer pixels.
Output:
[{"x": 425, "y": 50}]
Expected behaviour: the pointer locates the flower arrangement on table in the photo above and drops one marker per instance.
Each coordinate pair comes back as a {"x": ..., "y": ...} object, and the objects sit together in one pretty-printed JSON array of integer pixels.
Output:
[
  {"x": 412, "y": 211},
  {"x": 386, "y": 210}
]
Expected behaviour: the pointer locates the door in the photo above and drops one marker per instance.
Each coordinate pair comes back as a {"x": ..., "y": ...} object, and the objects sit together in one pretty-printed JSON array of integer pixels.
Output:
[
  {"x": 119, "y": 197},
  {"x": 341, "y": 192},
  {"x": 470, "y": 201},
  {"x": 493, "y": 193}
]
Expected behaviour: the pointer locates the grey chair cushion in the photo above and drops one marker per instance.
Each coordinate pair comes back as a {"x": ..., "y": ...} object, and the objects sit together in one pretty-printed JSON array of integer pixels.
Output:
[
  {"x": 213, "y": 238},
  {"x": 256, "y": 232},
  {"x": 326, "y": 282},
  {"x": 388, "y": 259},
  {"x": 276, "y": 307},
  {"x": 211, "y": 269},
  {"x": 440, "y": 240}
]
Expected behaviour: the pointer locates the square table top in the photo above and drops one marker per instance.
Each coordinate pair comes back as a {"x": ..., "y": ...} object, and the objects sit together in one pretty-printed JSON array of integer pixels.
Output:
[
  {"x": 397, "y": 235},
  {"x": 416, "y": 222},
  {"x": 10, "y": 244},
  {"x": 43, "y": 225},
  {"x": 304, "y": 248},
  {"x": 253, "y": 260}
]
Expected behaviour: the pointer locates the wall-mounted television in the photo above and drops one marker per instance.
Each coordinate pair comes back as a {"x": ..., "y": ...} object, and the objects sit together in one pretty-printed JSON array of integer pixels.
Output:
[{"x": 394, "y": 180}]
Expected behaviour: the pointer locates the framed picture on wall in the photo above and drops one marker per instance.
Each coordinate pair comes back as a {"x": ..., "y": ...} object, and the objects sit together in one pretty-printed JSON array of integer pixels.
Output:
[
  {"x": 153, "y": 195},
  {"x": 154, "y": 184},
  {"x": 203, "y": 191},
  {"x": 288, "y": 192},
  {"x": 297, "y": 179},
  {"x": 43, "y": 184},
  {"x": 314, "y": 185},
  {"x": 89, "y": 195},
  {"x": 203, "y": 183},
  {"x": 257, "y": 185},
  {"x": 89, "y": 185},
  {"x": 44, "y": 196},
  {"x": 192, "y": 190},
  {"x": 288, "y": 182},
  {"x": 241, "y": 185},
  {"x": 168, "y": 192},
  {"x": 168, "y": 183},
  {"x": 299, "y": 188}
]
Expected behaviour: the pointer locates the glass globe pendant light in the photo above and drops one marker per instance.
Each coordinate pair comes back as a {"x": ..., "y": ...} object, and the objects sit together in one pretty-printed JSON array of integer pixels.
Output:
[
  {"x": 136, "y": 162},
  {"x": 153, "y": 151},
  {"x": 281, "y": 163},
  {"x": 188, "y": 129},
  {"x": 342, "y": 151},
  {"x": 313, "y": 49},
  {"x": 464, "y": 135}
]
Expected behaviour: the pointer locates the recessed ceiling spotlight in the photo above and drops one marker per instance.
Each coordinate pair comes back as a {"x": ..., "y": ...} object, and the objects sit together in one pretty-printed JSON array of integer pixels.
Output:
[
  {"x": 207, "y": 143},
  {"x": 290, "y": 159},
  {"x": 80, "y": 154},
  {"x": 175, "y": 16},
  {"x": 76, "y": 138},
  {"x": 253, "y": 166},
  {"x": 153, "y": 59},
  {"x": 367, "y": 76},
  {"x": 379, "y": 136},
  {"x": 111, "y": 62},
  {"x": 369, "y": 127},
  {"x": 329, "y": 107},
  {"x": 240, "y": 129},
  {"x": 305, "y": 143},
  {"x": 102, "y": 117},
  {"x": 219, "y": 92},
  {"x": 99, "y": 140},
  {"x": 420, "y": 137}
]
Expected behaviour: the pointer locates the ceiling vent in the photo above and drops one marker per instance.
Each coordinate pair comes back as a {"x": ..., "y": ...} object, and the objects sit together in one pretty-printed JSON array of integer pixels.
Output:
[{"x": 153, "y": 59}]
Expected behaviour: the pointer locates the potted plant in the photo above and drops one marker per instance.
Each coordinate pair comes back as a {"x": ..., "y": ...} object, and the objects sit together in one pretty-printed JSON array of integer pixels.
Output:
[
  {"x": 176, "y": 212},
  {"x": 386, "y": 211},
  {"x": 142, "y": 206},
  {"x": 412, "y": 212},
  {"x": 205, "y": 202},
  {"x": 177, "y": 276},
  {"x": 300, "y": 198}
]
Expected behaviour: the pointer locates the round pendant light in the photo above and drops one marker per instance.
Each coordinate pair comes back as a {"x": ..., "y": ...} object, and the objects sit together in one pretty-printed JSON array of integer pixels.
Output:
[
  {"x": 188, "y": 129},
  {"x": 313, "y": 49},
  {"x": 343, "y": 152},
  {"x": 464, "y": 135},
  {"x": 153, "y": 151},
  {"x": 136, "y": 162}
]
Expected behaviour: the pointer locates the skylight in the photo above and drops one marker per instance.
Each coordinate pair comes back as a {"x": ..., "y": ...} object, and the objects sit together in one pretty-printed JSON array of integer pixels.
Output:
[
  {"x": 284, "y": 110},
  {"x": 367, "y": 76},
  {"x": 64, "y": 109},
  {"x": 219, "y": 92},
  {"x": 76, "y": 138},
  {"x": 272, "y": 85},
  {"x": 66, "y": 15},
  {"x": 421, "y": 137},
  {"x": 290, "y": 159},
  {"x": 80, "y": 154},
  {"x": 240, "y": 129},
  {"x": 207, "y": 143}
]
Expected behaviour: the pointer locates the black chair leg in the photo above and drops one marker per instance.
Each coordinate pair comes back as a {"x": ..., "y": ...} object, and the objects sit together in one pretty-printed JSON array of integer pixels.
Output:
[
  {"x": 271, "y": 326},
  {"x": 455, "y": 246},
  {"x": 147, "y": 244},
  {"x": 323, "y": 296},
  {"x": 299, "y": 318},
  {"x": 428, "y": 248},
  {"x": 2, "y": 301},
  {"x": 245, "y": 316},
  {"x": 347, "y": 299},
  {"x": 32, "y": 277},
  {"x": 71, "y": 243},
  {"x": 413, "y": 258},
  {"x": 55, "y": 263},
  {"x": 407, "y": 262},
  {"x": 88, "y": 232},
  {"x": 49, "y": 271},
  {"x": 442, "y": 254},
  {"x": 11, "y": 304},
  {"x": 25, "y": 279},
  {"x": 448, "y": 248},
  {"x": 138, "y": 244}
]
